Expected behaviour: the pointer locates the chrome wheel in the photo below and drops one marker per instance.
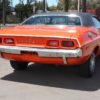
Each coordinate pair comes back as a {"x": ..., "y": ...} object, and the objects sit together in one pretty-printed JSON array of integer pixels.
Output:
[
  {"x": 92, "y": 63},
  {"x": 88, "y": 68}
]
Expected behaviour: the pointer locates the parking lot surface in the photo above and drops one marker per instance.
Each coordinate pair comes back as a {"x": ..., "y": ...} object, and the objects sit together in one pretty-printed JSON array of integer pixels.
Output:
[{"x": 47, "y": 82}]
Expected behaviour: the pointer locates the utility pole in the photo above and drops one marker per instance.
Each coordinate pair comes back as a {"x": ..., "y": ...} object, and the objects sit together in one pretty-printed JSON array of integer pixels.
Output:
[
  {"x": 44, "y": 6},
  {"x": 35, "y": 5},
  {"x": 4, "y": 13},
  {"x": 78, "y": 7}
]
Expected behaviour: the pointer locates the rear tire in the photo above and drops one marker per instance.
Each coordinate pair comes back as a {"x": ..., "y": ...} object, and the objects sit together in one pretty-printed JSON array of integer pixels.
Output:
[
  {"x": 88, "y": 68},
  {"x": 16, "y": 65}
]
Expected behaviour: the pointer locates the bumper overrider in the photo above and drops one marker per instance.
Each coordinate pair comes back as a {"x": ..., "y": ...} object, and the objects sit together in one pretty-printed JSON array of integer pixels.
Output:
[{"x": 62, "y": 53}]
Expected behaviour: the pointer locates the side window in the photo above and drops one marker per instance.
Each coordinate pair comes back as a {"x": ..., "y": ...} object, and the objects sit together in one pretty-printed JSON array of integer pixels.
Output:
[{"x": 96, "y": 22}]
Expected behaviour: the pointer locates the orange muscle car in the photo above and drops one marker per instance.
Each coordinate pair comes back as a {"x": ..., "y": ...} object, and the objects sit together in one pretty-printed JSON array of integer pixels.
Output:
[{"x": 53, "y": 38}]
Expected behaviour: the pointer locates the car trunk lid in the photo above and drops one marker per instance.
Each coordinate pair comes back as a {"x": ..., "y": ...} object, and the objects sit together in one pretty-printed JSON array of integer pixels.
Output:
[{"x": 38, "y": 36}]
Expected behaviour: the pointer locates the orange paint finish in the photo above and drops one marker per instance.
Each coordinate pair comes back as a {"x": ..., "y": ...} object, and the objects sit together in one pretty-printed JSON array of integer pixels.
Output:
[
  {"x": 35, "y": 58},
  {"x": 32, "y": 58},
  {"x": 77, "y": 61},
  {"x": 85, "y": 38},
  {"x": 39, "y": 42}
]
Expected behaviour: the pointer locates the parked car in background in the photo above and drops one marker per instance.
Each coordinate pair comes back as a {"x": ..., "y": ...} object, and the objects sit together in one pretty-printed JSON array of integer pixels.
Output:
[{"x": 53, "y": 38}]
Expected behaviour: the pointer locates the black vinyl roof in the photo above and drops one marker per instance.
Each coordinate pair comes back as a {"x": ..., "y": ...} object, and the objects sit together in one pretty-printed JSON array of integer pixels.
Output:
[{"x": 86, "y": 18}]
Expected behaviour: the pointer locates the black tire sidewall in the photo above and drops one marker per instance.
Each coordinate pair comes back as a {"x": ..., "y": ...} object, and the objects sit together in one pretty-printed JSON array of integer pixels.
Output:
[
  {"x": 16, "y": 65},
  {"x": 86, "y": 70}
]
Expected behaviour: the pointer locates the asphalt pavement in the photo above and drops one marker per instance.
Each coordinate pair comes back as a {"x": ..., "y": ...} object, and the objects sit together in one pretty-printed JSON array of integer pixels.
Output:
[{"x": 47, "y": 82}]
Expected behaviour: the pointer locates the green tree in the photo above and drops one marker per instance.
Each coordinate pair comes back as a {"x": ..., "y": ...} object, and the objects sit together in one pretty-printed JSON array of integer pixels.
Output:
[
  {"x": 63, "y": 5},
  {"x": 93, "y": 5},
  {"x": 60, "y": 5},
  {"x": 7, "y": 8},
  {"x": 66, "y": 6},
  {"x": 39, "y": 5},
  {"x": 28, "y": 10},
  {"x": 53, "y": 8},
  {"x": 23, "y": 11},
  {"x": 30, "y": 1},
  {"x": 73, "y": 4},
  {"x": 20, "y": 11},
  {"x": 84, "y": 5}
]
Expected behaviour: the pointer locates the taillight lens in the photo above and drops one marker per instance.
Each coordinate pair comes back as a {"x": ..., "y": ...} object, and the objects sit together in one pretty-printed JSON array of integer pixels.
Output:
[
  {"x": 67, "y": 44},
  {"x": 8, "y": 40},
  {"x": 53, "y": 43},
  {"x": 0, "y": 40}
]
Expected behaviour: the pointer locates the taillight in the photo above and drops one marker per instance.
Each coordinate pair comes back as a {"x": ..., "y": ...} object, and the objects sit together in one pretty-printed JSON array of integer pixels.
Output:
[
  {"x": 0, "y": 40},
  {"x": 67, "y": 44},
  {"x": 8, "y": 40},
  {"x": 53, "y": 43}
]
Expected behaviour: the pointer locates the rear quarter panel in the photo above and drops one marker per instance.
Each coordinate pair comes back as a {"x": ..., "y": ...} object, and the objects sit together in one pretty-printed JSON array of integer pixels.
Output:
[{"x": 89, "y": 39}]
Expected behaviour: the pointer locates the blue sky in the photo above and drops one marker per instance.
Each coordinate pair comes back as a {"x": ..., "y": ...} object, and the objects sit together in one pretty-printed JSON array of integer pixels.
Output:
[{"x": 50, "y": 2}]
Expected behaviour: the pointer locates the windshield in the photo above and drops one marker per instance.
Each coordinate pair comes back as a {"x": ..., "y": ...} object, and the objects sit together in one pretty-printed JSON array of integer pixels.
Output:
[{"x": 52, "y": 20}]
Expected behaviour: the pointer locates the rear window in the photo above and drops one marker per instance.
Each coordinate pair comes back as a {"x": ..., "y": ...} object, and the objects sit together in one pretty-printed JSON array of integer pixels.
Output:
[{"x": 52, "y": 20}]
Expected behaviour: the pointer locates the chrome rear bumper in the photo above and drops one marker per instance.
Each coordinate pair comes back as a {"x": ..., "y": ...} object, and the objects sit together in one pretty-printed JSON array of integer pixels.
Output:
[{"x": 43, "y": 52}]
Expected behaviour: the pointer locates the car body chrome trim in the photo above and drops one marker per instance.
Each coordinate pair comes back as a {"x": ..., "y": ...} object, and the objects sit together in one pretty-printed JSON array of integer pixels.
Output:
[
  {"x": 42, "y": 52},
  {"x": 64, "y": 59},
  {"x": 52, "y": 53}
]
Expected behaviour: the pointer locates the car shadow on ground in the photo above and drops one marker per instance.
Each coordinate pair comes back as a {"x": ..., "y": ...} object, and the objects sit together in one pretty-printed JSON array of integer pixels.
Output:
[{"x": 59, "y": 77}]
